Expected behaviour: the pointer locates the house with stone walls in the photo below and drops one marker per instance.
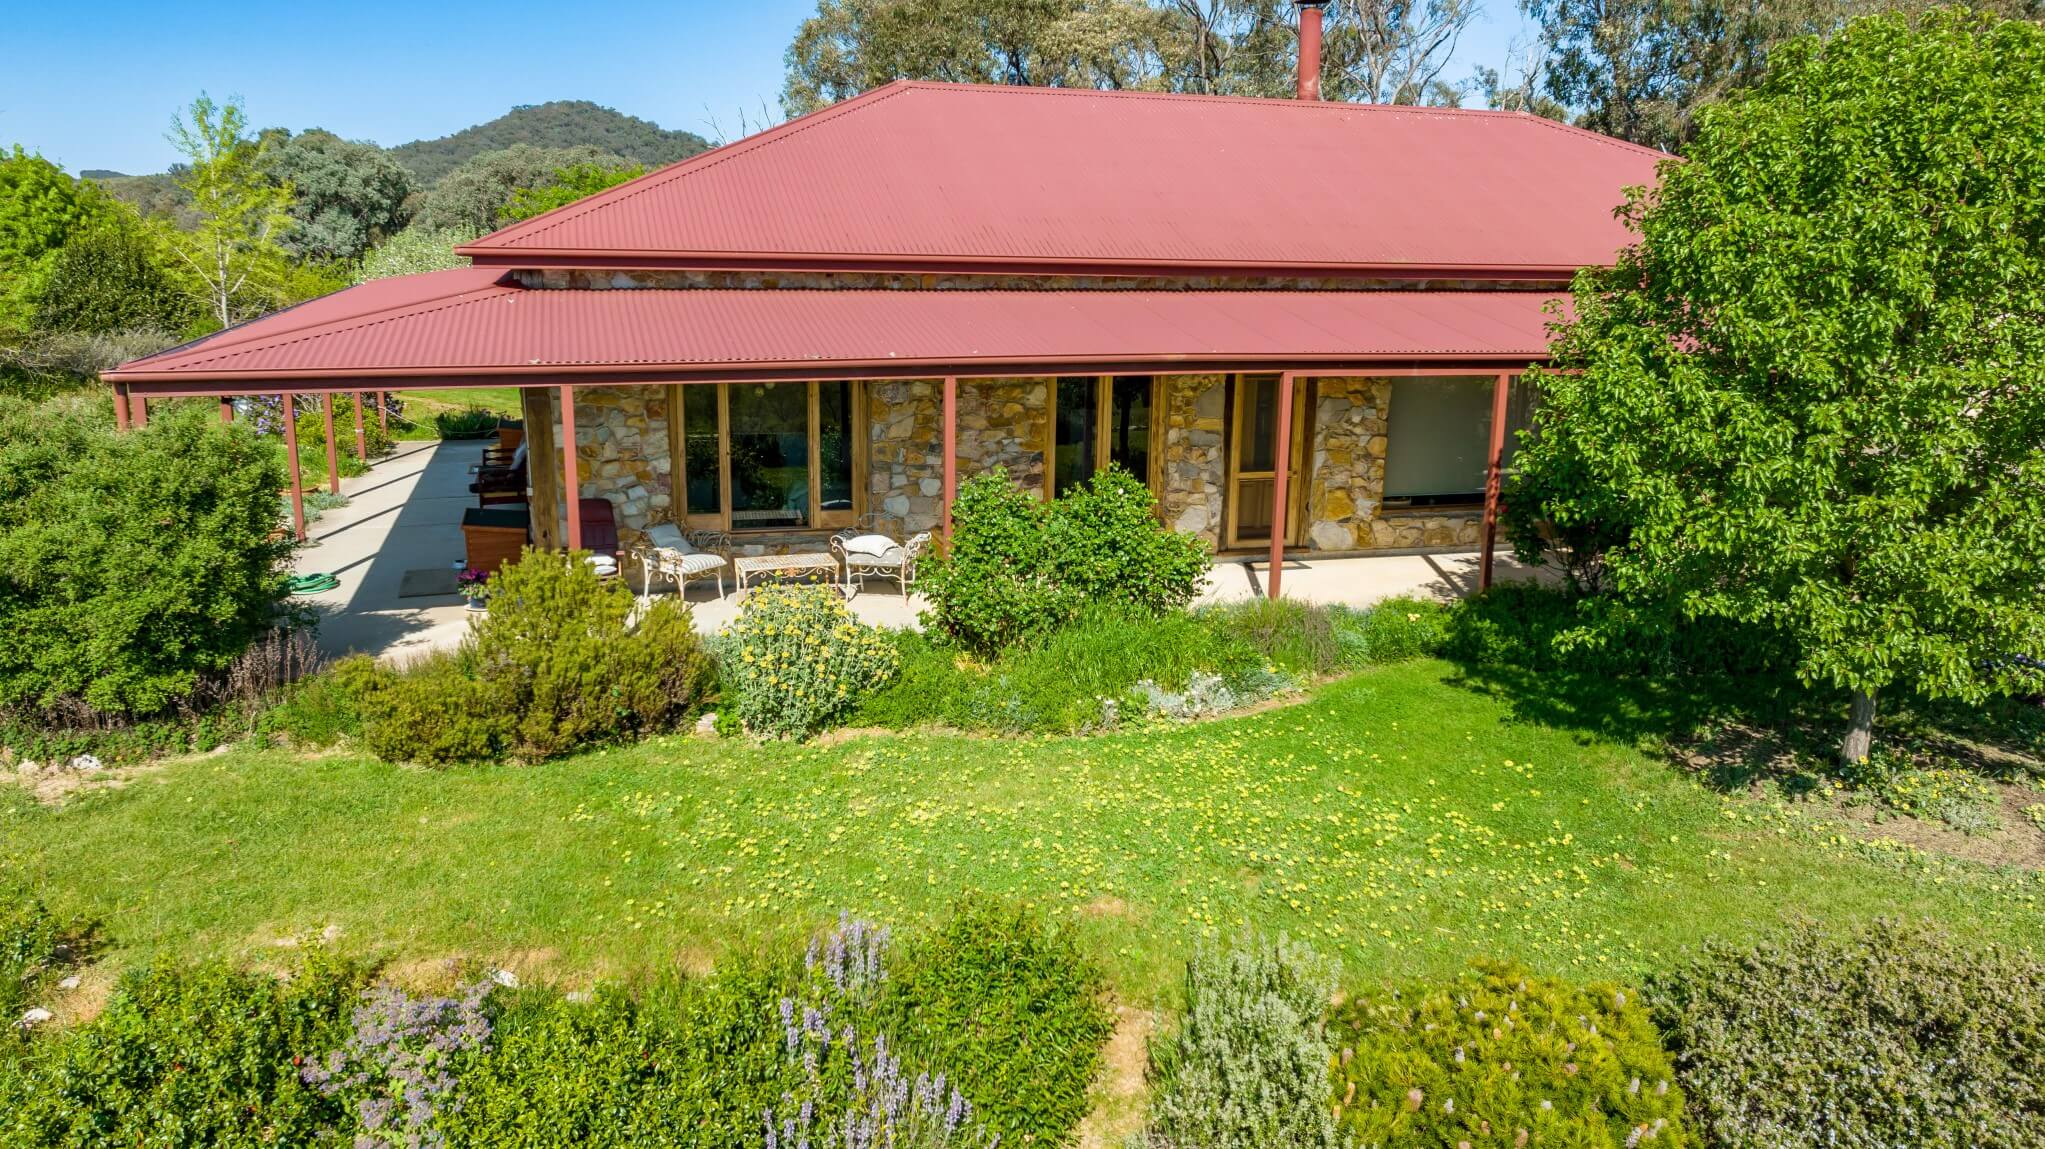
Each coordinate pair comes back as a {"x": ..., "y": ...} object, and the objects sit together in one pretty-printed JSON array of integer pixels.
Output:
[{"x": 1300, "y": 322}]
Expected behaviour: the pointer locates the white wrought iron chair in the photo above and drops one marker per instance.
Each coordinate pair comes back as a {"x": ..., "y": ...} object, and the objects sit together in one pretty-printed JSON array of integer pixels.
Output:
[
  {"x": 665, "y": 551},
  {"x": 863, "y": 552}
]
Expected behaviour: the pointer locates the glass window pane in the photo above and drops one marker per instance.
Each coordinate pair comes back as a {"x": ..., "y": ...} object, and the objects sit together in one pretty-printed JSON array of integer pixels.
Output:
[
  {"x": 1072, "y": 454},
  {"x": 699, "y": 449},
  {"x": 769, "y": 455},
  {"x": 834, "y": 446},
  {"x": 1260, "y": 422},
  {"x": 1438, "y": 434},
  {"x": 1129, "y": 425}
]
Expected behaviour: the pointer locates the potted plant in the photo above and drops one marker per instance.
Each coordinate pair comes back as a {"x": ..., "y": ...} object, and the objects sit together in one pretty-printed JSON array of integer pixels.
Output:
[{"x": 474, "y": 585}]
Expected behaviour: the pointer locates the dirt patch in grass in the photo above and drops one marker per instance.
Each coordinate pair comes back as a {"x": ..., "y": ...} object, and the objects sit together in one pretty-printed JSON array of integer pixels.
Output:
[
  {"x": 2017, "y": 842},
  {"x": 1120, "y": 1092}
]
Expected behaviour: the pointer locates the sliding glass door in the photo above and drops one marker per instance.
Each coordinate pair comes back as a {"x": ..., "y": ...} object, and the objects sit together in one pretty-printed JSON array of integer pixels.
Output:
[{"x": 1099, "y": 421}]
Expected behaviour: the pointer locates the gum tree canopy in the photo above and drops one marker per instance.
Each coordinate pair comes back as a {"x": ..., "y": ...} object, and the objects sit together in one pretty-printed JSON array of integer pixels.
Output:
[{"x": 1812, "y": 397}]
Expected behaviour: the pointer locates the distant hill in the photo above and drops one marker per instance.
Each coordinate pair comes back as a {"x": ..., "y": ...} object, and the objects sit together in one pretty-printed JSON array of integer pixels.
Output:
[
  {"x": 559, "y": 124},
  {"x": 101, "y": 174}
]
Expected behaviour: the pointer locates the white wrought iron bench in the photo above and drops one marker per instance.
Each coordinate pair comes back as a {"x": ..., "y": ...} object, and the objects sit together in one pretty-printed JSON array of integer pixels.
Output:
[
  {"x": 666, "y": 551},
  {"x": 863, "y": 552}
]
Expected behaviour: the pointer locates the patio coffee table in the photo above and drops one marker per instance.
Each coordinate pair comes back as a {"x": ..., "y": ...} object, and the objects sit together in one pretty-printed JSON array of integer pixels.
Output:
[{"x": 752, "y": 566}]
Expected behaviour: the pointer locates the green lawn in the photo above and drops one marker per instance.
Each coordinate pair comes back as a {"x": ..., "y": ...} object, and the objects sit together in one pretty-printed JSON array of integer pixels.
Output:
[
  {"x": 422, "y": 406},
  {"x": 1398, "y": 819}
]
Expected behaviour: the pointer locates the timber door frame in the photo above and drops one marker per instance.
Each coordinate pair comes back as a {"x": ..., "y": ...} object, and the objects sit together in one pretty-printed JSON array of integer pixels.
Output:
[
  {"x": 1298, "y": 479},
  {"x": 820, "y": 519}
]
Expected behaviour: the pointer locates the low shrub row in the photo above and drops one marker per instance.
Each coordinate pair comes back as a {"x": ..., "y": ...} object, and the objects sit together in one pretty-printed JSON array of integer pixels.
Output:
[
  {"x": 1885, "y": 1036},
  {"x": 987, "y": 1029}
]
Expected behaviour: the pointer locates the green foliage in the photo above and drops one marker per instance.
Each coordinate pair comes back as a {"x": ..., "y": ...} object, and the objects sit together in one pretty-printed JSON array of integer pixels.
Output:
[
  {"x": 1248, "y": 1067},
  {"x": 324, "y": 708},
  {"x": 347, "y": 195},
  {"x": 185, "y": 1056},
  {"x": 569, "y": 184},
  {"x": 232, "y": 249},
  {"x": 468, "y": 423},
  {"x": 109, "y": 278},
  {"x": 414, "y": 250},
  {"x": 796, "y": 658},
  {"x": 1102, "y": 542},
  {"x": 29, "y": 940},
  {"x": 1077, "y": 679},
  {"x": 1890, "y": 1035},
  {"x": 1832, "y": 333},
  {"x": 553, "y": 667},
  {"x": 554, "y": 125},
  {"x": 1531, "y": 627},
  {"x": 1499, "y": 1058},
  {"x": 1016, "y": 570},
  {"x": 474, "y": 196},
  {"x": 992, "y": 588},
  {"x": 1317, "y": 641},
  {"x": 132, "y": 566},
  {"x": 1011, "y": 1008},
  {"x": 1395, "y": 630},
  {"x": 41, "y": 210}
]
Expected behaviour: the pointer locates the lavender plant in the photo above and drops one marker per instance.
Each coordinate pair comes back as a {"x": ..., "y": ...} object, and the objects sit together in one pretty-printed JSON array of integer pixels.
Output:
[{"x": 402, "y": 1064}]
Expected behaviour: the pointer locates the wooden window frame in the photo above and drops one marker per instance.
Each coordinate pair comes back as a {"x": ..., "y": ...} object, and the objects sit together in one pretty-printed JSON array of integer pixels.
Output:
[
  {"x": 820, "y": 519},
  {"x": 1104, "y": 402}
]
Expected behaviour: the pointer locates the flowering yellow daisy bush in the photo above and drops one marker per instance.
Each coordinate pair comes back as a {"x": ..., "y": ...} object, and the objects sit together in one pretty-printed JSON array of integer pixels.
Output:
[{"x": 796, "y": 658}]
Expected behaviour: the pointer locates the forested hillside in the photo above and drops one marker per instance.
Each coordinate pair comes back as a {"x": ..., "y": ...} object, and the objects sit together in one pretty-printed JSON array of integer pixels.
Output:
[{"x": 557, "y": 124}]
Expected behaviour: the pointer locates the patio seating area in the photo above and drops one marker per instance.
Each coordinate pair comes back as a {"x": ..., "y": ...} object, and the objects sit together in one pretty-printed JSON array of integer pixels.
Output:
[{"x": 405, "y": 518}]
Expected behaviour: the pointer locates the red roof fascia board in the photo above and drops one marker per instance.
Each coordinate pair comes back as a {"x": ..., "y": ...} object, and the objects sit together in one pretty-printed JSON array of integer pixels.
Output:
[
  {"x": 978, "y": 178},
  {"x": 508, "y": 332}
]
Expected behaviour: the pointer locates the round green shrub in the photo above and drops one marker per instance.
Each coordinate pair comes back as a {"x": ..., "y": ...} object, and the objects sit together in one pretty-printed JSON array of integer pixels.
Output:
[
  {"x": 1104, "y": 544},
  {"x": 1891, "y": 1035},
  {"x": 1499, "y": 1058},
  {"x": 992, "y": 588},
  {"x": 796, "y": 658}
]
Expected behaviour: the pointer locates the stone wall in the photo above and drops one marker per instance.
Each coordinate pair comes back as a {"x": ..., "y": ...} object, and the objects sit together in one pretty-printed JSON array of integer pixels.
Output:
[
  {"x": 1194, "y": 467},
  {"x": 621, "y": 451},
  {"x": 1005, "y": 423},
  {"x": 905, "y": 464},
  {"x": 1346, "y": 483}
]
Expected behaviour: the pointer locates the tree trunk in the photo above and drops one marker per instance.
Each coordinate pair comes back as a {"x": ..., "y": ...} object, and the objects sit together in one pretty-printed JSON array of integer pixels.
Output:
[{"x": 1860, "y": 730}]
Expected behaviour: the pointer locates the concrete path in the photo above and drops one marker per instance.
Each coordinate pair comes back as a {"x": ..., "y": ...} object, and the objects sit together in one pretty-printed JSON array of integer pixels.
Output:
[{"x": 406, "y": 513}]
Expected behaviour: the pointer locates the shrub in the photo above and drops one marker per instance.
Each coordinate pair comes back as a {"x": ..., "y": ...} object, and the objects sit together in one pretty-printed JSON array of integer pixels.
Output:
[
  {"x": 1310, "y": 639},
  {"x": 1249, "y": 1065},
  {"x": 402, "y": 1063},
  {"x": 1012, "y": 1008},
  {"x": 187, "y": 1056},
  {"x": 471, "y": 423},
  {"x": 992, "y": 588},
  {"x": 29, "y": 941},
  {"x": 796, "y": 658},
  {"x": 1103, "y": 543},
  {"x": 1889, "y": 1035},
  {"x": 1398, "y": 629},
  {"x": 554, "y": 666},
  {"x": 1530, "y": 627},
  {"x": 1499, "y": 1058},
  {"x": 324, "y": 708},
  {"x": 132, "y": 566}
]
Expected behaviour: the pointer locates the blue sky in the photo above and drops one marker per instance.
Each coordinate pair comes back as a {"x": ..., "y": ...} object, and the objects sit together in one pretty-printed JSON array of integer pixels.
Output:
[{"x": 94, "y": 83}]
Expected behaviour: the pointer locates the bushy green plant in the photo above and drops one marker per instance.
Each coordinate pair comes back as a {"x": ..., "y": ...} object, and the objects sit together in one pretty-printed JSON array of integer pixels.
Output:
[
  {"x": 187, "y": 1056},
  {"x": 554, "y": 666},
  {"x": 1248, "y": 1067},
  {"x": 1315, "y": 640},
  {"x": 992, "y": 589},
  {"x": 1888, "y": 1035},
  {"x": 132, "y": 566},
  {"x": 324, "y": 708},
  {"x": 1104, "y": 544},
  {"x": 1011, "y": 1007},
  {"x": 1527, "y": 626},
  {"x": 29, "y": 939},
  {"x": 1499, "y": 1058},
  {"x": 469, "y": 423},
  {"x": 1398, "y": 629},
  {"x": 796, "y": 658}
]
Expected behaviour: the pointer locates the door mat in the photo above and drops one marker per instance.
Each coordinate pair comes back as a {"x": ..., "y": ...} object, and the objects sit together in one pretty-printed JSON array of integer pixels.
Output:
[{"x": 433, "y": 582}]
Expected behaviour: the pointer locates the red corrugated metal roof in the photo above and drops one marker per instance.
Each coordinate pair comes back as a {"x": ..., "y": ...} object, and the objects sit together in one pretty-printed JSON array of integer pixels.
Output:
[
  {"x": 972, "y": 177},
  {"x": 465, "y": 324}
]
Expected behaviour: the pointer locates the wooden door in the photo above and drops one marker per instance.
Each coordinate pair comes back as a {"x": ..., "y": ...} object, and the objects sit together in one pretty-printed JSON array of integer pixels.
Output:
[{"x": 1253, "y": 461}]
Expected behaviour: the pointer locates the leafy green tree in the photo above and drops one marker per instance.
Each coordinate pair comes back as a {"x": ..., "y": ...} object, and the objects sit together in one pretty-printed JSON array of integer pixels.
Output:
[
  {"x": 349, "y": 194},
  {"x": 1814, "y": 391},
  {"x": 475, "y": 195},
  {"x": 112, "y": 277},
  {"x": 233, "y": 252},
  {"x": 41, "y": 208},
  {"x": 570, "y": 184},
  {"x": 132, "y": 566},
  {"x": 413, "y": 250}
]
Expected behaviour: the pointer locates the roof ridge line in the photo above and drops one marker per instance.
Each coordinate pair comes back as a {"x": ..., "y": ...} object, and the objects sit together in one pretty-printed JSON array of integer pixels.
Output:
[{"x": 661, "y": 177}]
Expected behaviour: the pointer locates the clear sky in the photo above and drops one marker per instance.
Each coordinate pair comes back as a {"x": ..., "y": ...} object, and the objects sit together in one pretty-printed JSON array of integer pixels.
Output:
[{"x": 94, "y": 83}]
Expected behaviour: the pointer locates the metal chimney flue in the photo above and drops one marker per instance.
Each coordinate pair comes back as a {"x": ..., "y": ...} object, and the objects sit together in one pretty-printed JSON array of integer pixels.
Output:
[{"x": 1310, "y": 48}]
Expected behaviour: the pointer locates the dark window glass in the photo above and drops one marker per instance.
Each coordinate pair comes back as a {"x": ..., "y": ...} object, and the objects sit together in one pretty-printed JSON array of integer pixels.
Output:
[
  {"x": 834, "y": 445},
  {"x": 769, "y": 455},
  {"x": 1129, "y": 425},
  {"x": 699, "y": 449},
  {"x": 1072, "y": 449},
  {"x": 1260, "y": 422}
]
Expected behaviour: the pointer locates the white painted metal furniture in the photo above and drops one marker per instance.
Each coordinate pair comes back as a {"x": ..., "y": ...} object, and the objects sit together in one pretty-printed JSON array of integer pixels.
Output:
[
  {"x": 666, "y": 551},
  {"x": 753, "y": 566},
  {"x": 865, "y": 553}
]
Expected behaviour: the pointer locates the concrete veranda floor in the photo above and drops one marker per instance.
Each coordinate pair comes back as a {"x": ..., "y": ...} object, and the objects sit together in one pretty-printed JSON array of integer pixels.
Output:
[{"x": 406, "y": 513}]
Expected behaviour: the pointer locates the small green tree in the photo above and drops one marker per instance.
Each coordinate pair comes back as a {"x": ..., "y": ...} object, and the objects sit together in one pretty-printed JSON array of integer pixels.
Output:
[
  {"x": 1814, "y": 391},
  {"x": 570, "y": 184},
  {"x": 233, "y": 252},
  {"x": 111, "y": 277},
  {"x": 41, "y": 208},
  {"x": 347, "y": 194},
  {"x": 414, "y": 250}
]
